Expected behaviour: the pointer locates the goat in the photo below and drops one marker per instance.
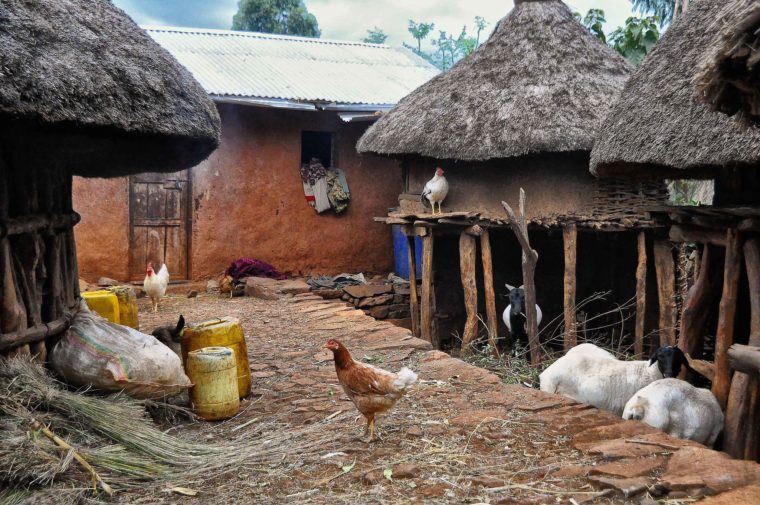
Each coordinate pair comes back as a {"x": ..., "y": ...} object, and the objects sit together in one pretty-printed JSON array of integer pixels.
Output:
[
  {"x": 171, "y": 336},
  {"x": 679, "y": 409},
  {"x": 514, "y": 314},
  {"x": 591, "y": 375}
]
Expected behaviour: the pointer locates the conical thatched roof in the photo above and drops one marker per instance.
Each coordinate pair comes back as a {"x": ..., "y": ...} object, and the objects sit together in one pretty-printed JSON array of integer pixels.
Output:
[
  {"x": 729, "y": 79},
  {"x": 540, "y": 83},
  {"x": 82, "y": 74},
  {"x": 658, "y": 126}
]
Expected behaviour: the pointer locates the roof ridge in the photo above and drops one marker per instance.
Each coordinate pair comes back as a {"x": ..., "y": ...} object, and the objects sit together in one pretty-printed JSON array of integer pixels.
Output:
[{"x": 260, "y": 35}]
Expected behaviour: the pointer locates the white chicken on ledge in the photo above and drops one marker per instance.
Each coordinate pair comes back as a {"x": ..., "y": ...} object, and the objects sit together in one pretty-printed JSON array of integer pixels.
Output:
[
  {"x": 155, "y": 284},
  {"x": 436, "y": 190}
]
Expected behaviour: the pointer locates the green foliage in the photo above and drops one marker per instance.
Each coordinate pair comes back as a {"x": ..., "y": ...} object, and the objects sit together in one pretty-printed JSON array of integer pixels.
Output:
[
  {"x": 419, "y": 31},
  {"x": 662, "y": 9},
  {"x": 480, "y": 25},
  {"x": 287, "y": 17},
  {"x": 375, "y": 36},
  {"x": 594, "y": 22},
  {"x": 636, "y": 38}
]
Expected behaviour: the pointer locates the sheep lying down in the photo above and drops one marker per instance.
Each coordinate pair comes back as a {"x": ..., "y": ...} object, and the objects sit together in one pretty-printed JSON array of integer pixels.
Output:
[
  {"x": 679, "y": 409},
  {"x": 591, "y": 375}
]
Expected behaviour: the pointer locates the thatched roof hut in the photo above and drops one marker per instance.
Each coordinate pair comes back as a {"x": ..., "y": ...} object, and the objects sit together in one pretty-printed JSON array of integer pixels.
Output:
[
  {"x": 729, "y": 79},
  {"x": 113, "y": 99},
  {"x": 657, "y": 127},
  {"x": 541, "y": 83}
]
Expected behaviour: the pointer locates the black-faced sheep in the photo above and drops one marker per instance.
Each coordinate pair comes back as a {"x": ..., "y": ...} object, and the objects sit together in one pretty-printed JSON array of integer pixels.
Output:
[{"x": 591, "y": 375}]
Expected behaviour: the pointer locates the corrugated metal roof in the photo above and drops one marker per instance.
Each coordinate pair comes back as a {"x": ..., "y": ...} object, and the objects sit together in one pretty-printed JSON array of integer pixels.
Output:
[{"x": 277, "y": 67}]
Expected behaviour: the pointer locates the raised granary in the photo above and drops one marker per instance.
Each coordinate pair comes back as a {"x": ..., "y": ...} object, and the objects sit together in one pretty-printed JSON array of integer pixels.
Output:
[
  {"x": 535, "y": 95},
  {"x": 658, "y": 129},
  {"x": 83, "y": 91}
]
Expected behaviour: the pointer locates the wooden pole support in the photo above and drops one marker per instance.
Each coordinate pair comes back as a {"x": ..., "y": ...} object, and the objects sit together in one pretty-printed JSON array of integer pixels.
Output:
[
  {"x": 529, "y": 259},
  {"x": 696, "y": 309},
  {"x": 490, "y": 294},
  {"x": 570, "y": 241},
  {"x": 752, "y": 263},
  {"x": 414, "y": 303},
  {"x": 666, "y": 286},
  {"x": 467, "y": 257},
  {"x": 641, "y": 295},
  {"x": 426, "y": 306},
  {"x": 726, "y": 316}
]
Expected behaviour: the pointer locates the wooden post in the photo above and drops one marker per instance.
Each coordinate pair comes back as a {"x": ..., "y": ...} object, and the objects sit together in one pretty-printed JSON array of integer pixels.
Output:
[
  {"x": 529, "y": 259},
  {"x": 696, "y": 309},
  {"x": 742, "y": 412},
  {"x": 570, "y": 241},
  {"x": 641, "y": 295},
  {"x": 467, "y": 254},
  {"x": 726, "y": 315},
  {"x": 666, "y": 282},
  {"x": 426, "y": 307},
  {"x": 486, "y": 259},
  {"x": 414, "y": 304}
]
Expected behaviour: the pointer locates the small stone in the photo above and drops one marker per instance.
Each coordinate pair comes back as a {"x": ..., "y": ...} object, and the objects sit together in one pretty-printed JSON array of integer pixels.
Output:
[
  {"x": 414, "y": 431},
  {"x": 629, "y": 487},
  {"x": 400, "y": 299},
  {"x": 380, "y": 312},
  {"x": 373, "y": 477},
  {"x": 375, "y": 300},
  {"x": 329, "y": 294},
  {"x": 401, "y": 289},
  {"x": 368, "y": 290},
  {"x": 487, "y": 482},
  {"x": 212, "y": 286},
  {"x": 346, "y": 297},
  {"x": 405, "y": 471},
  {"x": 293, "y": 287},
  {"x": 261, "y": 287},
  {"x": 437, "y": 429},
  {"x": 83, "y": 285},
  {"x": 105, "y": 282},
  {"x": 192, "y": 293}
]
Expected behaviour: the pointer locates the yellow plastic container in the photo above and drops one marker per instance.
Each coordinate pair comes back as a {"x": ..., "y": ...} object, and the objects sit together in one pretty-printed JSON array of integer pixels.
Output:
[
  {"x": 104, "y": 303},
  {"x": 127, "y": 305},
  {"x": 213, "y": 372},
  {"x": 222, "y": 332}
]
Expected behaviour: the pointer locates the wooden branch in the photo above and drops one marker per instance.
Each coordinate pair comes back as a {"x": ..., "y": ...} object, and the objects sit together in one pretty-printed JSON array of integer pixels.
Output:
[
  {"x": 529, "y": 259},
  {"x": 33, "y": 334},
  {"x": 704, "y": 368},
  {"x": 641, "y": 295},
  {"x": 570, "y": 241},
  {"x": 487, "y": 260},
  {"x": 726, "y": 317},
  {"x": 426, "y": 309},
  {"x": 666, "y": 281},
  {"x": 744, "y": 358},
  {"x": 700, "y": 235},
  {"x": 696, "y": 309},
  {"x": 467, "y": 253},
  {"x": 414, "y": 304}
]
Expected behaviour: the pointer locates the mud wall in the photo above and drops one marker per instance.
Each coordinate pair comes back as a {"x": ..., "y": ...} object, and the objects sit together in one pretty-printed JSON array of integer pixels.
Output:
[
  {"x": 102, "y": 236},
  {"x": 247, "y": 200},
  {"x": 555, "y": 184}
]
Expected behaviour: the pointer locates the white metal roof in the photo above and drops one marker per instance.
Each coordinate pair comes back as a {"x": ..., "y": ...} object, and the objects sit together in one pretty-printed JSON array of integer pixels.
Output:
[{"x": 298, "y": 72}]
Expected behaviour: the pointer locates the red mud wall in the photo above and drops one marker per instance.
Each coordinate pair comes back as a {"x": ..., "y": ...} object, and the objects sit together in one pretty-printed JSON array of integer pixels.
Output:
[
  {"x": 248, "y": 198},
  {"x": 102, "y": 237}
]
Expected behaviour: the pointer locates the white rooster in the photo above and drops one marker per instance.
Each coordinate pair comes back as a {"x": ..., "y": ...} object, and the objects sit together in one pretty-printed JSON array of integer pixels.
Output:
[
  {"x": 155, "y": 284},
  {"x": 436, "y": 190}
]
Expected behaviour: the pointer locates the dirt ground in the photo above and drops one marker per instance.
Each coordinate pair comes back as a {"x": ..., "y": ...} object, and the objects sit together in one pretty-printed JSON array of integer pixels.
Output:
[{"x": 460, "y": 436}]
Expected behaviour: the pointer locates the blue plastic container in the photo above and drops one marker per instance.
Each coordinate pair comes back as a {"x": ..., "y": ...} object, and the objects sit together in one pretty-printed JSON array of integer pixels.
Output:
[{"x": 400, "y": 249}]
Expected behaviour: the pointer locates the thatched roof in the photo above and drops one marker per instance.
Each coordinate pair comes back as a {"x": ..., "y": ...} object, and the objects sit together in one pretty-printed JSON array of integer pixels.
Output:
[
  {"x": 657, "y": 127},
  {"x": 82, "y": 74},
  {"x": 729, "y": 79},
  {"x": 540, "y": 83}
]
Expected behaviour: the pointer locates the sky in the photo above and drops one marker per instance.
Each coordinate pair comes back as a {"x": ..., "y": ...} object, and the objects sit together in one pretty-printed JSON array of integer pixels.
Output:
[{"x": 350, "y": 19}]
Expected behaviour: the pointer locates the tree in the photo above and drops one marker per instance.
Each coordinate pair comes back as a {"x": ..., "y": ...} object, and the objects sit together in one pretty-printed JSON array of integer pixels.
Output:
[
  {"x": 594, "y": 22},
  {"x": 480, "y": 25},
  {"x": 287, "y": 17},
  {"x": 662, "y": 9},
  {"x": 375, "y": 36},
  {"x": 636, "y": 38},
  {"x": 419, "y": 31}
]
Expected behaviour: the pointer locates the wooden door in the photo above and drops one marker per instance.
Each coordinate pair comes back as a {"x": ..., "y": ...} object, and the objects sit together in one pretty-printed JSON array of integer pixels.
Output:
[{"x": 159, "y": 223}]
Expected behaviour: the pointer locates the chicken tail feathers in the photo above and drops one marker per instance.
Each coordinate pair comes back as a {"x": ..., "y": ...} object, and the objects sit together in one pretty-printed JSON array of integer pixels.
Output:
[
  {"x": 164, "y": 272},
  {"x": 405, "y": 378}
]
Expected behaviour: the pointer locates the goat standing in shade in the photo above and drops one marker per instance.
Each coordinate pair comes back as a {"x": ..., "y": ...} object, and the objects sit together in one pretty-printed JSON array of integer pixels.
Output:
[{"x": 514, "y": 314}]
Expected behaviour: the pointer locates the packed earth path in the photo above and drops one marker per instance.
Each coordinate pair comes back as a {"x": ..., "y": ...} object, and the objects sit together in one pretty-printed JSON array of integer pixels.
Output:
[{"x": 459, "y": 436}]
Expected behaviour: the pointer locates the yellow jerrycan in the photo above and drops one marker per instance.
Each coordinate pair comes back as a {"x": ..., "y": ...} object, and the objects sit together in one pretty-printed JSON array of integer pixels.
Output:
[{"x": 213, "y": 372}]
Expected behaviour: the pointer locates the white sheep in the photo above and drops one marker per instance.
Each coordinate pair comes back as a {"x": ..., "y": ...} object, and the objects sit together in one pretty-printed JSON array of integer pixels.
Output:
[
  {"x": 591, "y": 375},
  {"x": 679, "y": 409}
]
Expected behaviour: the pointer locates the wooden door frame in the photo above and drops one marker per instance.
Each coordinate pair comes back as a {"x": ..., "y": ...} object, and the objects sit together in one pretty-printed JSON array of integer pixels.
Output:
[{"x": 188, "y": 226}]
